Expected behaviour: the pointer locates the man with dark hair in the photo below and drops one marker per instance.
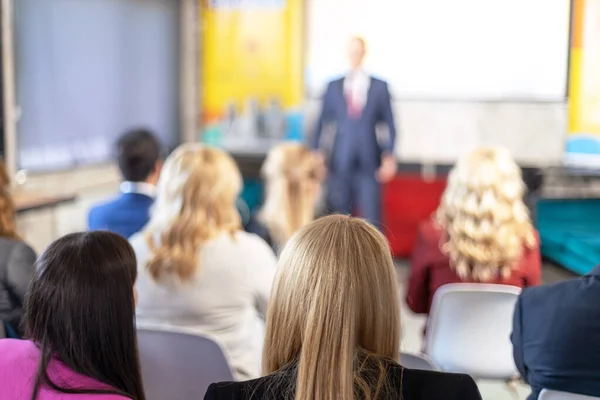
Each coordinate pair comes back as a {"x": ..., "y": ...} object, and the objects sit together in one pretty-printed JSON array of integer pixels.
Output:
[{"x": 139, "y": 159}]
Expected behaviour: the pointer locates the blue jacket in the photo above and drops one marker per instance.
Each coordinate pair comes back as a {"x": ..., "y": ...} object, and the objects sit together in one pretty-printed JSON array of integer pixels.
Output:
[
  {"x": 556, "y": 336},
  {"x": 125, "y": 215},
  {"x": 356, "y": 141}
]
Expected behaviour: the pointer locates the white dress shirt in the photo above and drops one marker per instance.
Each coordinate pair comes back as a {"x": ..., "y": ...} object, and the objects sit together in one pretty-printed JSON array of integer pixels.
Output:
[
  {"x": 144, "y": 188},
  {"x": 357, "y": 84}
]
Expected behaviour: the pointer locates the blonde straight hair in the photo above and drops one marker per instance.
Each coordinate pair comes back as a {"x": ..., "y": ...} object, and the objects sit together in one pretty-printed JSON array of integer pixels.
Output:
[
  {"x": 293, "y": 175},
  {"x": 482, "y": 212},
  {"x": 197, "y": 191},
  {"x": 334, "y": 311}
]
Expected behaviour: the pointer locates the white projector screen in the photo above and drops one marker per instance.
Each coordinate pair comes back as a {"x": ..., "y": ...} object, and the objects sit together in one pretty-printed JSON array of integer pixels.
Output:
[{"x": 446, "y": 50}]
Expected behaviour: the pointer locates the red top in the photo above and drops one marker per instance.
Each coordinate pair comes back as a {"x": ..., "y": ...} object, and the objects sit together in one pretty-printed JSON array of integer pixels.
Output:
[{"x": 430, "y": 269}]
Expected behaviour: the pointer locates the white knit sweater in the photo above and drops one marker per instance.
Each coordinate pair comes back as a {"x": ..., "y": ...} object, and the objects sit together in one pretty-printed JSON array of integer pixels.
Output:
[{"x": 226, "y": 298}]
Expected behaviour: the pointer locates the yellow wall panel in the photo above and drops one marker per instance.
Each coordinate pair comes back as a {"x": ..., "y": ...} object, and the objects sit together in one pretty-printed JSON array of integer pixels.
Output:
[{"x": 250, "y": 49}]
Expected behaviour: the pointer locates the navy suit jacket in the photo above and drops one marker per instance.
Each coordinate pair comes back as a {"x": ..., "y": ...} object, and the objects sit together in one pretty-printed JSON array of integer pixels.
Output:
[
  {"x": 356, "y": 141},
  {"x": 125, "y": 215},
  {"x": 556, "y": 336}
]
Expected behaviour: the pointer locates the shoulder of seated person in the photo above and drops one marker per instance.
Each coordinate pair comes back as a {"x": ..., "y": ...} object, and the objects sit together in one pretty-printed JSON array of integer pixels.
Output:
[
  {"x": 21, "y": 248},
  {"x": 436, "y": 381},
  {"x": 15, "y": 243},
  {"x": 564, "y": 289},
  {"x": 252, "y": 240},
  {"x": 235, "y": 390},
  {"x": 105, "y": 204},
  {"x": 138, "y": 241},
  {"x": 14, "y": 350},
  {"x": 418, "y": 374}
]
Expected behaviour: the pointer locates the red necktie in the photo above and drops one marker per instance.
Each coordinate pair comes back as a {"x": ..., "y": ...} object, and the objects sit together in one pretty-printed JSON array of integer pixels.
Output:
[{"x": 354, "y": 109}]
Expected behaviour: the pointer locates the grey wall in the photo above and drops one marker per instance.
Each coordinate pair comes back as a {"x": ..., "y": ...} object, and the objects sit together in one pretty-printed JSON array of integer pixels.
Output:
[{"x": 88, "y": 70}]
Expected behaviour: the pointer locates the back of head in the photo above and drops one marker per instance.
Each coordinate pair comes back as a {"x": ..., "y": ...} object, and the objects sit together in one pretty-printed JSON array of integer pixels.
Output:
[
  {"x": 81, "y": 308},
  {"x": 483, "y": 214},
  {"x": 196, "y": 202},
  {"x": 138, "y": 155},
  {"x": 333, "y": 307},
  {"x": 293, "y": 175},
  {"x": 8, "y": 225}
]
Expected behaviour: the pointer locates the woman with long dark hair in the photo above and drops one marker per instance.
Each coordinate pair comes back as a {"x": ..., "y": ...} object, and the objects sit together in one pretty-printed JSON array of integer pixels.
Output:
[{"x": 79, "y": 319}]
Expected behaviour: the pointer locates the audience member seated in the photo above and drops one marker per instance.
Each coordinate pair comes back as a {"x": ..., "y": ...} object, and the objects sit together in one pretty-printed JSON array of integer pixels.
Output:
[
  {"x": 293, "y": 177},
  {"x": 556, "y": 336},
  {"x": 197, "y": 269},
  {"x": 16, "y": 263},
  {"x": 333, "y": 325},
  {"x": 139, "y": 161},
  {"x": 79, "y": 321},
  {"x": 481, "y": 233}
]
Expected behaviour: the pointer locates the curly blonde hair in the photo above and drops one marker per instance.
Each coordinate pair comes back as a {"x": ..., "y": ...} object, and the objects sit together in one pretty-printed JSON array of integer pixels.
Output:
[
  {"x": 292, "y": 174},
  {"x": 8, "y": 224},
  {"x": 482, "y": 212},
  {"x": 195, "y": 203}
]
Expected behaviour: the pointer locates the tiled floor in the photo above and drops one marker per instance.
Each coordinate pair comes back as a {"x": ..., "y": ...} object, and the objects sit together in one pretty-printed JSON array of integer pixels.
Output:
[{"x": 412, "y": 328}]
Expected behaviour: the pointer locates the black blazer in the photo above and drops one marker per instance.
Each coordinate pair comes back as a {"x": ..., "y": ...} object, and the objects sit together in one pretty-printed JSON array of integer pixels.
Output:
[
  {"x": 405, "y": 384},
  {"x": 556, "y": 336}
]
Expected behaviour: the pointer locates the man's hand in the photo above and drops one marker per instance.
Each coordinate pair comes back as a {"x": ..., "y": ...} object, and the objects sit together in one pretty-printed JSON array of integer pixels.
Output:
[
  {"x": 388, "y": 168},
  {"x": 320, "y": 157},
  {"x": 321, "y": 164}
]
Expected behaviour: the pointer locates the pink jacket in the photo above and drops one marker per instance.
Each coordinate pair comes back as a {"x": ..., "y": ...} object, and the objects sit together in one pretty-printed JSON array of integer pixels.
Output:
[{"x": 18, "y": 367}]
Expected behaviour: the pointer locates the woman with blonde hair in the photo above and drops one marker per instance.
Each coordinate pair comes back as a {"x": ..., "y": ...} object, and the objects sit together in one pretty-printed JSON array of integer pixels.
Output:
[
  {"x": 197, "y": 270},
  {"x": 293, "y": 175},
  {"x": 16, "y": 263},
  {"x": 482, "y": 231},
  {"x": 333, "y": 325}
]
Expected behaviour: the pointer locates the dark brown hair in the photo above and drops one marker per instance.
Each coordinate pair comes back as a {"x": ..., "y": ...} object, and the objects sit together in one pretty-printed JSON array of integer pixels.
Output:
[
  {"x": 138, "y": 152},
  {"x": 81, "y": 309}
]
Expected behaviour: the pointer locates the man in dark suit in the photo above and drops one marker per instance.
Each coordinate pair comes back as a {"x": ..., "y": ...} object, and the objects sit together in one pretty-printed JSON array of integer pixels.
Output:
[
  {"x": 556, "y": 336},
  {"x": 358, "y": 162},
  {"x": 140, "y": 163}
]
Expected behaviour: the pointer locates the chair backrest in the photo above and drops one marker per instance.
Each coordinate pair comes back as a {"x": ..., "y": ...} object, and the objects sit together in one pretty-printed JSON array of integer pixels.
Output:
[
  {"x": 554, "y": 395},
  {"x": 469, "y": 329},
  {"x": 179, "y": 366},
  {"x": 417, "y": 361}
]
